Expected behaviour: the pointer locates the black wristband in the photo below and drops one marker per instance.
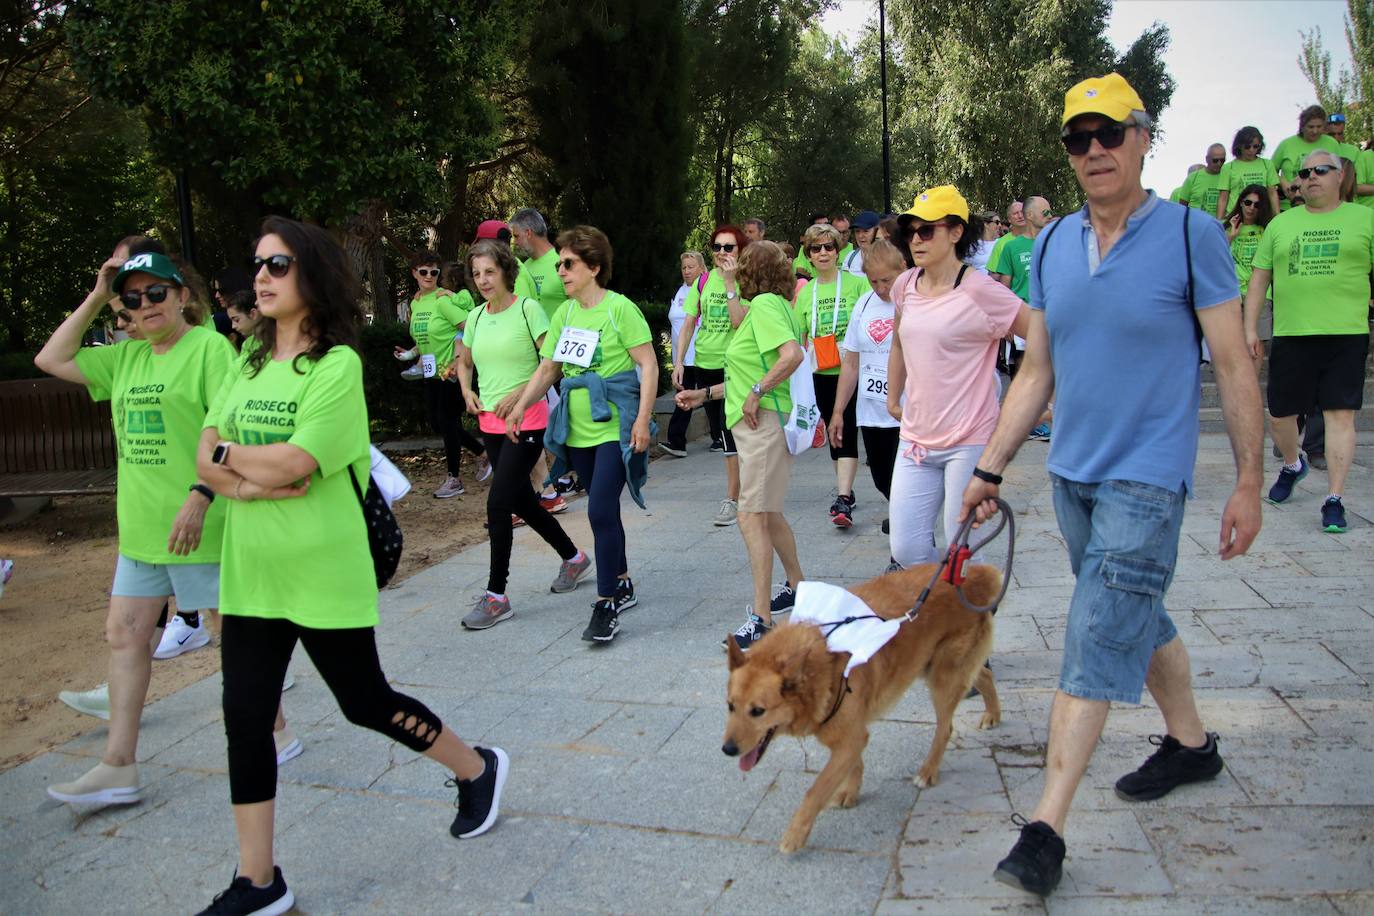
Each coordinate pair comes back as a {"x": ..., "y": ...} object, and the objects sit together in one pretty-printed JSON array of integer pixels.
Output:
[
  {"x": 203, "y": 490},
  {"x": 995, "y": 479}
]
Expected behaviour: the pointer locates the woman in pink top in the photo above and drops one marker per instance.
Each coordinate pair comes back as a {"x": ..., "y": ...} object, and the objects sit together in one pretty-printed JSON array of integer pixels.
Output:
[{"x": 948, "y": 323}]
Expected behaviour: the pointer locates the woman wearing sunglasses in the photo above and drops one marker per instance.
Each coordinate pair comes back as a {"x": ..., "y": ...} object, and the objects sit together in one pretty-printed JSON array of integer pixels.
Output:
[
  {"x": 170, "y": 525},
  {"x": 601, "y": 348},
  {"x": 1244, "y": 226},
  {"x": 436, "y": 317},
  {"x": 286, "y": 446},
  {"x": 1291, "y": 151},
  {"x": 822, "y": 309},
  {"x": 949, "y": 321},
  {"x": 1247, "y": 168}
]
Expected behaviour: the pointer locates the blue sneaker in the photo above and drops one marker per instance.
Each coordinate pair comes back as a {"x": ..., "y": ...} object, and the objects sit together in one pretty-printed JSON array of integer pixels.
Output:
[
  {"x": 1333, "y": 515},
  {"x": 1041, "y": 433},
  {"x": 1283, "y": 487}
]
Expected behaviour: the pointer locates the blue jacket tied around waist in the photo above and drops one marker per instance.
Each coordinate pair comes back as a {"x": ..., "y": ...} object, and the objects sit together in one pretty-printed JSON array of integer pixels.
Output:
[{"x": 623, "y": 391}]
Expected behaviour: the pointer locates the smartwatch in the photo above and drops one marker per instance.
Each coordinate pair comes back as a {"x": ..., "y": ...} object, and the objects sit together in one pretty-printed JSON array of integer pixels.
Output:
[
  {"x": 203, "y": 490},
  {"x": 220, "y": 455}
]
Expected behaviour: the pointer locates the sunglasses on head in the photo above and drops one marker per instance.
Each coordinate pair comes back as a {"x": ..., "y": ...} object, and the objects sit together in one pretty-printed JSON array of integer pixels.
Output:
[
  {"x": 726, "y": 247},
  {"x": 1109, "y": 135},
  {"x": 277, "y": 265},
  {"x": 133, "y": 299},
  {"x": 927, "y": 232},
  {"x": 427, "y": 271},
  {"x": 821, "y": 246},
  {"x": 1321, "y": 170}
]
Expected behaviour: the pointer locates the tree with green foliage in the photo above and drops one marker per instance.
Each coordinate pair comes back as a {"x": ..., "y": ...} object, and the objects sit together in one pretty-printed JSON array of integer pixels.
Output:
[
  {"x": 1345, "y": 91},
  {"x": 608, "y": 91}
]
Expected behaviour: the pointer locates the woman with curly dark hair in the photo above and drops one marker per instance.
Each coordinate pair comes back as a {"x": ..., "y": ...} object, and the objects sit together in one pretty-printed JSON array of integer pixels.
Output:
[
  {"x": 286, "y": 445},
  {"x": 1247, "y": 168},
  {"x": 1244, "y": 226}
]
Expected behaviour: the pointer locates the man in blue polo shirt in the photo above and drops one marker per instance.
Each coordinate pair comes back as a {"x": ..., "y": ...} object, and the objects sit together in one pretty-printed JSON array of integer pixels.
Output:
[{"x": 1114, "y": 300}]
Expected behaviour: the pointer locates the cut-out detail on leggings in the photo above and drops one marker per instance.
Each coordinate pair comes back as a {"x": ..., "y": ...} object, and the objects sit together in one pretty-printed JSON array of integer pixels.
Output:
[{"x": 414, "y": 726}]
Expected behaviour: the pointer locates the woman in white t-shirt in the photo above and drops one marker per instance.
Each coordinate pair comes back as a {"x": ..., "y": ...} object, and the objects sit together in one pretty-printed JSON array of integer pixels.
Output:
[
  {"x": 992, "y": 231},
  {"x": 693, "y": 268},
  {"x": 863, "y": 366}
]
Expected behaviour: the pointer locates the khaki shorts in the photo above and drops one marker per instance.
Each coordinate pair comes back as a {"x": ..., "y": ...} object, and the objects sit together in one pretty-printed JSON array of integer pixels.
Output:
[{"x": 765, "y": 464}]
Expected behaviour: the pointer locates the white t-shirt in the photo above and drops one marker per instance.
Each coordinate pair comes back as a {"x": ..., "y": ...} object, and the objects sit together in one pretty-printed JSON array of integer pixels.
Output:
[
  {"x": 854, "y": 261},
  {"x": 676, "y": 316},
  {"x": 978, "y": 255},
  {"x": 870, "y": 336}
]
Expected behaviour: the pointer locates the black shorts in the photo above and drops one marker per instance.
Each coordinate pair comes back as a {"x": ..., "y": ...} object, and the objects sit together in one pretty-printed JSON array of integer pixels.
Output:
[{"x": 1321, "y": 371}]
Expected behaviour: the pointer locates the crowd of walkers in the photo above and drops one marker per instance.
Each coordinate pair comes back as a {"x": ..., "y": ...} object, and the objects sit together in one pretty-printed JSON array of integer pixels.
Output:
[{"x": 242, "y": 475}]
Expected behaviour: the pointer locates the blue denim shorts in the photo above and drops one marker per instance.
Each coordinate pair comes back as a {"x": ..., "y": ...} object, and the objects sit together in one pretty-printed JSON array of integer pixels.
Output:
[
  {"x": 195, "y": 585},
  {"x": 1122, "y": 538}
]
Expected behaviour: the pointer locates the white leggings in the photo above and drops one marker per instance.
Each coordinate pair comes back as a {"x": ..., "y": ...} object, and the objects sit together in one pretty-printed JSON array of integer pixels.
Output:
[{"x": 917, "y": 492}]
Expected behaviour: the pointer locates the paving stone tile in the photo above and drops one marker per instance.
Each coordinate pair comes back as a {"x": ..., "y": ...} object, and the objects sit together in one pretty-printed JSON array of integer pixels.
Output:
[
  {"x": 1280, "y": 624},
  {"x": 1153, "y": 905},
  {"x": 1319, "y": 590},
  {"x": 1335, "y": 711},
  {"x": 1303, "y": 771},
  {"x": 875, "y": 824}
]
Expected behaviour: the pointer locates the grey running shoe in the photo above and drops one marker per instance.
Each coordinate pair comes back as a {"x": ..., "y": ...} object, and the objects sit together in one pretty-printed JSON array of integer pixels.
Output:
[
  {"x": 570, "y": 573},
  {"x": 728, "y": 514},
  {"x": 488, "y": 612},
  {"x": 450, "y": 488},
  {"x": 414, "y": 373}
]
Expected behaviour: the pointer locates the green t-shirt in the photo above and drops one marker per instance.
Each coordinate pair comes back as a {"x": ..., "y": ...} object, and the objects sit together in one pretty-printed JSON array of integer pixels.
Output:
[
  {"x": 1364, "y": 174},
  {"x": 1321, "y": 264},
  {"x": 831, "y": 311},
  {"x": 1014, "y": 261},
  {"x": 996, "y": 252},
  {"x": 1202, "y": 189},
  {"x": 1239, "y": 174},
  {"x": 1290, "y": 154},
  {"x": 753, "y": 351},
  {"x": 802, "y": 263},
  {"x": 1243, "y": 253},
  {"x": 713, "y": 333},
  {"x": 435, "y": 319},
  {"x": 158, "y": 402},
  {"x": 503, "y": 346},
  {"x": 1177, "y": 193},
  {"x": 620, "y": 326},
  {"x": 1347, "y": 151},
  {"x": 304, "y": 559},
  {"x": 538, "y": 279}
]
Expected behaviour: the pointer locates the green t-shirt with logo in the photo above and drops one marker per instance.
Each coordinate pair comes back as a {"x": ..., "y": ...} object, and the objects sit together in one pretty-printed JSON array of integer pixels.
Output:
[
  {"x": 304, "y": 559},
  {"x": 538, "y": 279},
  {"x": 1014, "y": 261},
  {"x": 832, "y": 311},
  {"x": 714, "y": 330},
  {"x": 1243, "y": 253},
  {"x": 435, "y": 319},
  {"x": 1202, "y": 189},
  {"x": 753, "y": 351},
  {"x": 1321, "y": 264},
  {"x": 158, "y": 402},
  {"x": 620, "y": 326},
  {"x": 1238, "y": 174},
  {"x": 503, "y": 346},
  {"x": 1364, "y": 174}
]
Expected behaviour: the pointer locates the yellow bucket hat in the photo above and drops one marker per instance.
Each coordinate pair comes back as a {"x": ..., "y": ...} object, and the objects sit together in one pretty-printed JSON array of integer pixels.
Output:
[
  {"x": 1110, "y": 96},
  {"x": 935, "y": 204}
]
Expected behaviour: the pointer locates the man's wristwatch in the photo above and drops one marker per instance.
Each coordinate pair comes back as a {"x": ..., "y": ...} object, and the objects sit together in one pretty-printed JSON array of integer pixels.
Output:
[
  {"x": 203, "y": 490},
  {"x": 994, "y": 479},
  {"x": 758, "y": 391},
  {"x": 220, "y": 455}
]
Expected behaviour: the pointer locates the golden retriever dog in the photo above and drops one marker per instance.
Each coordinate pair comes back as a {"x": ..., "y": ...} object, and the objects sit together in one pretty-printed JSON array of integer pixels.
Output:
[{"x": 789, "y": 683}]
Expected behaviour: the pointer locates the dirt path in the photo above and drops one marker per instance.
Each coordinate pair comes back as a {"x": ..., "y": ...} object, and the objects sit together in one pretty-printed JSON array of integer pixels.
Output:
[{"x": 52, "y": 615}]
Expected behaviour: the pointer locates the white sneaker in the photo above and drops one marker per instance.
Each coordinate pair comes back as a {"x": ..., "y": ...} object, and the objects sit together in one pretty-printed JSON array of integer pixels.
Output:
[
  {"x": 102, "y": 784},
  {"x": 729, "y": 512},
  {"x": 181, "y": 637},
  {"x": 288, "y": 745},
  {"x": 95, "y": 702}
]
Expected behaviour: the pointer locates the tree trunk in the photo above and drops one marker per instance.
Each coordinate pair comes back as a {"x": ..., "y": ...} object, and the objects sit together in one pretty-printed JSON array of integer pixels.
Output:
[
  {"x": 450, "y": 229},
  {"x": 11, "y": 309},
  {"x": 362, "y": 240},
  {"x": 728, "y": 208}
]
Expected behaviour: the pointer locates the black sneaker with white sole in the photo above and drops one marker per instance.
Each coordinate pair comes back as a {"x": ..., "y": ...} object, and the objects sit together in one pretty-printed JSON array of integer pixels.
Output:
[
  {"x": 784, "y": 600},
  {"x": 753, "y": 630},
  {"x": 605, "y": 622},
  {"x": 1171, "y": 766},
  {"x": 243, "y": 898},
  {"x": 624, "y": 596},
  {"x": 479, "y": 800},
  {"x": 1036, "y": 862}
]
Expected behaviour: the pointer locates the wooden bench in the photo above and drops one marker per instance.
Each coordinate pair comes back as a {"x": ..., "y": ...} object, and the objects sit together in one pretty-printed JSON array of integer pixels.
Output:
[{"x": 54, "y": 440}]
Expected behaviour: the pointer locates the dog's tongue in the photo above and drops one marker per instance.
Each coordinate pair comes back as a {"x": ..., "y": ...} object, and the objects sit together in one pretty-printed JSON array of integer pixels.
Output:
[{"x": 746, "y": 763}]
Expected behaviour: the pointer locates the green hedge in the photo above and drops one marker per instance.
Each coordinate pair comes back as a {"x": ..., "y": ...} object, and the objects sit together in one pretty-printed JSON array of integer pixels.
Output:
[
  {"x": 17, "y": 366},
  {"x": 395, "y": 407}
]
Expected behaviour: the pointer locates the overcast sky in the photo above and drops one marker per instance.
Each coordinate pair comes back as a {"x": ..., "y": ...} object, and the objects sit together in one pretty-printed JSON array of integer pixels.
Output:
[{"x": 1234, "y": 63}]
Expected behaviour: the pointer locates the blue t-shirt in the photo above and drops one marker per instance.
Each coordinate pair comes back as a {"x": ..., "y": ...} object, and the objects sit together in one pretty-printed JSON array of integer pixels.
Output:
[{"x": 1126, "y": 366}]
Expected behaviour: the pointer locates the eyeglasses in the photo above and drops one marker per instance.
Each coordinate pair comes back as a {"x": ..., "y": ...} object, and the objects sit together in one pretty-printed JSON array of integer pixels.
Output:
[
  {"x": 726, "y": 247},
  {"x": 568, "y": 263},
  {"x": 1321, "y": 170},
  {"x": 427, "y": 271},
  {"x": 277, "y": 264},
  {"x": 1255, "y": 145},
  {"x": 1109, "y": 135},
  {"x": 927, "y": 232},
  {"x": 133, "y": 299},
  {"x": 1249, "y": 203},
  {"x": 1216, "y": 158},
  {"x": 820, "y": 246}
]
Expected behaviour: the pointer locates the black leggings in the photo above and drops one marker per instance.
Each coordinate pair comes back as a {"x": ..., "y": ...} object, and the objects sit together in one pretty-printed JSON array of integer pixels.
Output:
[
  {"x": 254, "y": 654},
  {"x": 512, "y": 493},
  {"x": 826, "y": 386},
  {"x": 880, "y": 445},
  {"x": 677, "y": 426},
  {"x": 715, "y": 408},
  {"x": 444, "y": 406},
  {"x": 603, "y": 474}
]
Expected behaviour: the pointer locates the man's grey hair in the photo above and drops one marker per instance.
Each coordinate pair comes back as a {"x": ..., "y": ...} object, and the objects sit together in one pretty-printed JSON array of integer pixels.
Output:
[
  {"x": 531, "y": 219},
  {"x": 1142, "y": 120},
  {"x": 755, "y": 221},
  {"x": 1334, "y": 157}
]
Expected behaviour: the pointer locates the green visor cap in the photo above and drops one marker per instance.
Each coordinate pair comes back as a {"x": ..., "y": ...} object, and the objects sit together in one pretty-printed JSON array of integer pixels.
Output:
[{"x": 159, "y": 265}]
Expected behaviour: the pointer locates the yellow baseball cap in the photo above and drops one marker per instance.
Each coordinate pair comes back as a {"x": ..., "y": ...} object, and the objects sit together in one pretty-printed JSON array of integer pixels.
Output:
[
  {"x": 936, "y": 203},
  {"x": 1110, "y": 96}
]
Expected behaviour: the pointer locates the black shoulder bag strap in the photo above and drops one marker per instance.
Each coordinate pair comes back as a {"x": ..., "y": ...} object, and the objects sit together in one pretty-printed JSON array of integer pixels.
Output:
[{"x": 1188, "y": 287}]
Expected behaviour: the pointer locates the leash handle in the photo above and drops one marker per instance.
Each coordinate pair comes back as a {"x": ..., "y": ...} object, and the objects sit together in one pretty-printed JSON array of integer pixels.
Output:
[{"x": 951, "y": 567}]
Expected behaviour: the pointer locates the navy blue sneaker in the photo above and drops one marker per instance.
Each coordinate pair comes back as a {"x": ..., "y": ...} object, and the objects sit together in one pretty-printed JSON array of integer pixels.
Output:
[
  {"x": 1333, "y": 515},
  {"x": 1283, "y": 487},
  {"x": 784, "y": 600}
]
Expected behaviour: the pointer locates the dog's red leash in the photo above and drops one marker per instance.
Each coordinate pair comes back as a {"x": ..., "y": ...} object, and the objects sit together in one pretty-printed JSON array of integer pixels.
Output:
[{"x": 951, "y": 567}]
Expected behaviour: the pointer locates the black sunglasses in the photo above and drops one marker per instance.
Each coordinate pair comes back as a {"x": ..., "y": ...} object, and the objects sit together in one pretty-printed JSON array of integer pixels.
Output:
[
  {"x": 726, "y": 247},
  {"x": 1255, "y": 145},
  {"x": 1216, "y": 158},
  {"x": 1321, "y": 170},
  {"x": 133, "y": 300},
  {"x": 567, "y": 263},
  {"x": 822, "y": 246},
  {"x": 1249, "y": 203},
  {"x": 1109, "y": 135},
  {"x": 927, "y": 232},
  {"x": 277, "y": 265},
  {"x": 427, "y": 271}
]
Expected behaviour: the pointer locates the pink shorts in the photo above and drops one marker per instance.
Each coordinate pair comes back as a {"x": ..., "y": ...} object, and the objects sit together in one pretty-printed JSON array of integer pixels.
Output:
[{"x": 536, "y": 417}]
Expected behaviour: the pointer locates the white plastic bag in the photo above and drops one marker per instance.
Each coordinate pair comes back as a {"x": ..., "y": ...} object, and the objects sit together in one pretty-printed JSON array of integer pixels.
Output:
[
  {"x": 804, "y": 426},
  {"x": 392, "y": 484}
]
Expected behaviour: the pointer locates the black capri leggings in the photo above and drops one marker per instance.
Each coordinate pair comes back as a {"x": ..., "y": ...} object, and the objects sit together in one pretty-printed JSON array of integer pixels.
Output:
[
  {"x": 444, "y": 406},
  {"x": 825, "y": 400},
  {"x": 512, "y": 493},
  {"x": 880, "y": 445},
  {"x": 715, "y": 409},
  {"x": 254, "y": 655}
]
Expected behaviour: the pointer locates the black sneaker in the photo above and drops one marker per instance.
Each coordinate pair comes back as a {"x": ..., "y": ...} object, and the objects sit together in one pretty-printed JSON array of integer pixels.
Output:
[
  {"x": 241, "y": 897},
  {"x": 1036, "y": 862},
  {"x": 480, "y": 799},
  {"x": 717, "y": 445},
  {"x": 842, "y": 511},
  {"x": 1333, "y": 515},
  {"x": 1283, "y": 487},
  {"x": 753, "y": 630},
  {"x": 605, "y": 622},
  {"x": 784, "y": 600},
  {"x": 624, "y": 595},
  {"x": 887, "y": 526},
  {"x": 1171, "y": 766}
]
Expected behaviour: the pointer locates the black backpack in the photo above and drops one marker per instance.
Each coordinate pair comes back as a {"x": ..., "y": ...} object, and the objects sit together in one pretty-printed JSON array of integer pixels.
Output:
[{"x": 384, "y": 538}]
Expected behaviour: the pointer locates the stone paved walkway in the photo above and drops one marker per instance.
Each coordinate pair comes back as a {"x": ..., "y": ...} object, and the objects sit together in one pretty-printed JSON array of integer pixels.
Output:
[{"x": 620, "y": 801}]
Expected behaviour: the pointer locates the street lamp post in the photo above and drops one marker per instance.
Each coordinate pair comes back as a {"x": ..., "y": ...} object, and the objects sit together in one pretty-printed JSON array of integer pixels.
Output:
[{"x": 887, "y": 140}]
